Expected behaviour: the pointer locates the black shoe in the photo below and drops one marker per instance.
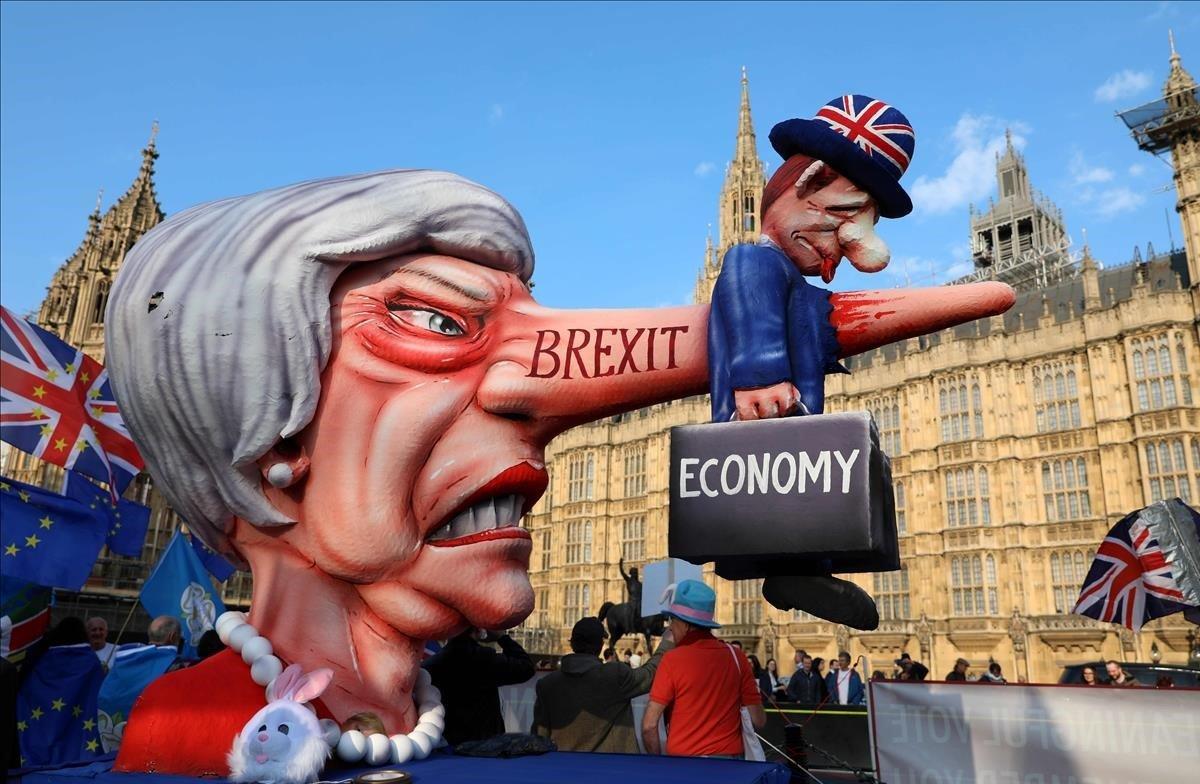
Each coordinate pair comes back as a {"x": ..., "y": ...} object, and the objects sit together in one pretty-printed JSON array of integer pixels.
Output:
[{"x": 830, "y": 598}]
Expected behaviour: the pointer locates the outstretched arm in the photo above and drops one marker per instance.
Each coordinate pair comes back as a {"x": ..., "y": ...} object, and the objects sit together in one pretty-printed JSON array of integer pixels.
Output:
[{"x": 654, "y": 712}]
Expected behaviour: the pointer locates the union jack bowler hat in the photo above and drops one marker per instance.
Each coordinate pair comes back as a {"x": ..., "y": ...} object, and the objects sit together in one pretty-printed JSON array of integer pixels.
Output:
[{"x": 866, "y": 140}]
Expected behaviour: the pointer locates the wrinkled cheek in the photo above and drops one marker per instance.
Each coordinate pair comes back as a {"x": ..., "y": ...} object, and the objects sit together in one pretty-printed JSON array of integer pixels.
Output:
[{"x": 488, "y": 588}]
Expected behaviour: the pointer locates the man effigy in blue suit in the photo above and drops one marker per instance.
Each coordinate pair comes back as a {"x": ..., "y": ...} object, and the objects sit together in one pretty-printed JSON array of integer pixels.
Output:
[{"x": 770, "y": 341}]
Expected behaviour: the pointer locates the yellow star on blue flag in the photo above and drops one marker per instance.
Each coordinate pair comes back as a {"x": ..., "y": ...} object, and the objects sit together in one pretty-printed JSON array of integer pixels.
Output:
[
  {"x": 66, "y": 677},
  {"x": 49, "y": 539}
]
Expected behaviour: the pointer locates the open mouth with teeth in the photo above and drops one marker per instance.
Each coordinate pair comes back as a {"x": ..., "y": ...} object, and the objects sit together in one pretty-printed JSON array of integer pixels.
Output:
[{"x": 494, "y": 511}]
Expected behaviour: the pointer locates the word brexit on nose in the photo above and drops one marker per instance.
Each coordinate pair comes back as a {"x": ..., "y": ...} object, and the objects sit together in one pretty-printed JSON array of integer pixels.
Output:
[{"x": 604, "y": 351}]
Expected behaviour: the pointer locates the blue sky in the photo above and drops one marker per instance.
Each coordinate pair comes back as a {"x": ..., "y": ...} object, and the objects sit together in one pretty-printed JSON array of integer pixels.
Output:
[{"x": 608, "y": 126}]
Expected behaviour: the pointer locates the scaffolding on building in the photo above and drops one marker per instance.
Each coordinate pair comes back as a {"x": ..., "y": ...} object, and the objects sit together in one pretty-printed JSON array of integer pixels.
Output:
[{"x": 1156, "y": 125}]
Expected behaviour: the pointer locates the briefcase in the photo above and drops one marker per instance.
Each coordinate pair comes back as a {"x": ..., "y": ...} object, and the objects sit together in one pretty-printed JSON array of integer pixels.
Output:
[{"x": 793, "y": 496}]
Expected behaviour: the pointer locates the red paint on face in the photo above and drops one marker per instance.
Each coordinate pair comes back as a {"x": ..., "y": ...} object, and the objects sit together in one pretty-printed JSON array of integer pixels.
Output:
[{"x": 427, "y": 407}]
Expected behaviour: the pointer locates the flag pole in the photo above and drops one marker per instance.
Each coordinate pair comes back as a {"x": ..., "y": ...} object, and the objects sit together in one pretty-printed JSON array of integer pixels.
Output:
[{"x": 128, "y": 618}]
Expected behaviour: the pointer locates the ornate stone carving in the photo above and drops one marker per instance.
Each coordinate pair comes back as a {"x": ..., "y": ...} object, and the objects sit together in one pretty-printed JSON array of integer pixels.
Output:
[
  {"x": 925, "y": 636},
  {"x": 842, "y": 636},
  {"x": 1018, "y": 631}
]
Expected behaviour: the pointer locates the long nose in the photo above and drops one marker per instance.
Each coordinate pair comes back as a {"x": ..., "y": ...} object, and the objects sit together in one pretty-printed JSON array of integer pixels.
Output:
[{"x": 560, "y": 368}]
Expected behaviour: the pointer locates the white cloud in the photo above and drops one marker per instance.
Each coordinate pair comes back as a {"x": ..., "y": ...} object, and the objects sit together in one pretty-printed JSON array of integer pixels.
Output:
[
  {"x": 1083, "y": 173},
  {"x": 1113, "y": 201},
  {"x": 959, "y": 269},
  {"x": 704, "y": 168},
  {"x": 1122, "y": 85},
  {"x": 1163, "y": 10},
  {"x": 977, "y": 139},
  {"x": 496, "y": 114},
  {"x": 1137, "y": 170}
]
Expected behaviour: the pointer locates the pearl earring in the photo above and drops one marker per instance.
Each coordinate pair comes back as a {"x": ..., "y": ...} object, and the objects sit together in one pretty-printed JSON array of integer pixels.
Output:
[{"x": 280, "y": 475}]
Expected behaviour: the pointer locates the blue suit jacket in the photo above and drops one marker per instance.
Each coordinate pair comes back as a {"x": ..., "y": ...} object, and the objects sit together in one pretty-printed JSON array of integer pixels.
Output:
[
  {"x": 856, "y": 694},
  {"x": 768, "y": 325}
]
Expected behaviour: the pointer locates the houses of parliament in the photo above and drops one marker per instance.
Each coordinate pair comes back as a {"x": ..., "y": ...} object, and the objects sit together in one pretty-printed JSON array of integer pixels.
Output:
[{"x": 1016, "y": 442}]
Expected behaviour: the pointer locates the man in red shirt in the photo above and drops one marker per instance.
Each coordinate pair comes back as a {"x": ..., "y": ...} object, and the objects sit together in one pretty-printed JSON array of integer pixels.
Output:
[{"x": 701, "y": 685}]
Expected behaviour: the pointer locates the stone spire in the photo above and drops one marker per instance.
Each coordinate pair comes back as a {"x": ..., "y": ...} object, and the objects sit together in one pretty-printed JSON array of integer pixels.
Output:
[
  {"x": 1180, "y": 83},
  {"x": 740, "y": 200},
  {"x": 741, "y": 194},
  {"x": 1090, "y": 273},
  {"x": 746, "y": 147},
  {"x": 78, "y": 292}
]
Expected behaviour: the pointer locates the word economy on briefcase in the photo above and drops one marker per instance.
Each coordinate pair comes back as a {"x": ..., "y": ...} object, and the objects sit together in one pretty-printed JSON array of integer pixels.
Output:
[{"x": 817, "y": 488}]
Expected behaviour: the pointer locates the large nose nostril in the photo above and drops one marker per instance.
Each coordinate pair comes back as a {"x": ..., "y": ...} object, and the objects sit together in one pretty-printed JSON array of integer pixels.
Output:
[{"x": 514, "y": 416}]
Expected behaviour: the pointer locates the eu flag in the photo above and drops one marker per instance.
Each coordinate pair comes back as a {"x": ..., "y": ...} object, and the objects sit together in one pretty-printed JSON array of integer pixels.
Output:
[
  {"x": 180, "y": 586},
  {"x": 213, "y": 561},
  {"x": 127, "y": 521},
  {"x": 56, "y": 707},
  {"x": 46, "y": 538}
]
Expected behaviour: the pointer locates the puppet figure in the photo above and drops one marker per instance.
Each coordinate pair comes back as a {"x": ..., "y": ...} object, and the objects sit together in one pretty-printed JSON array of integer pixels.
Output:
[
  {"x": 347, "y": 387},
  {"x": 770, "y": 339}
]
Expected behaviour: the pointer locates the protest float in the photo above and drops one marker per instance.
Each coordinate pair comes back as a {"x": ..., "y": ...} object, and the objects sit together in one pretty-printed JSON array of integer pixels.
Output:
[{"x": 345, "y": 386}]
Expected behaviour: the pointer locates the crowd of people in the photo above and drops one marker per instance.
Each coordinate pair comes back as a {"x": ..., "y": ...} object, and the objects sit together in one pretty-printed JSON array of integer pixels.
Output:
[
  {"x": 163, "y": 633},
  {"x": 709, "y": 694}
]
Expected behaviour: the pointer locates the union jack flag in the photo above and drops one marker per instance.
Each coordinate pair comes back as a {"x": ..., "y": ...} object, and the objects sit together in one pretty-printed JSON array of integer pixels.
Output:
[
  {"x": 1132, "y": 580},
  {"x": 56, "y": 404},
  {"x": 879, "y": 130}
]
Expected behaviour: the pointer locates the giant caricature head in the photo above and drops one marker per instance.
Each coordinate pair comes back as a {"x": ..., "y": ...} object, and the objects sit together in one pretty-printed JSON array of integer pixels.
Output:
[
  {"x": 841, "y": 174},
  {"x": 344, "y": 373}
]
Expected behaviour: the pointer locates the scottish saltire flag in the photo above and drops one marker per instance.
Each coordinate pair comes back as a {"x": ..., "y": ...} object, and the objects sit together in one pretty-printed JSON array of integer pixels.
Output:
[
  {"x": 56, "y": 707},
  {"x": 46, "y": 538},
  {"x": 132, "y": 669},
  {"x": 213, "y": 561},
  {"x": 56, "y": 404},
  {"x": 1147, "y": 567},
  {"x": 127, "y": 521},
  {"x": 24, "y": 616},
  {"x": 180, "y": 586}
]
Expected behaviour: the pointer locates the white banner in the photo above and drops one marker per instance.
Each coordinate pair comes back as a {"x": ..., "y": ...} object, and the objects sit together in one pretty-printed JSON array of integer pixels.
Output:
[
  {"x": 943, "y": 733},
  {"x": 658, "y": 575}
]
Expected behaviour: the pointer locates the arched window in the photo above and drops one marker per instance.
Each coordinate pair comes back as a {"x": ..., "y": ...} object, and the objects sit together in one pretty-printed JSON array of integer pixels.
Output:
[
  {"x": 960, "y": 409},
  {"x": 1167, "y": 473},
  {"x": 1156, "y": 375},
  {"x": 973, "y": 585},
  {"x": 101, "y": 301},
  {"x": 1065, "y": 490}
]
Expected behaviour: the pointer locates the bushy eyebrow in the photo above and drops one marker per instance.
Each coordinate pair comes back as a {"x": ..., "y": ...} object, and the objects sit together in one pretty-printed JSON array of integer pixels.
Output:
[
  {"x": 471, "y": 293},
  {"x": 852, "y": 202}
]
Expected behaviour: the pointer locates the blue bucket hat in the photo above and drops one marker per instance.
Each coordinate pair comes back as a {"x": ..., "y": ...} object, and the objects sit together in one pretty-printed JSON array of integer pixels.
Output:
[
  {"x": 694, "y": 602},
  {"x": 868, "y": 141}
]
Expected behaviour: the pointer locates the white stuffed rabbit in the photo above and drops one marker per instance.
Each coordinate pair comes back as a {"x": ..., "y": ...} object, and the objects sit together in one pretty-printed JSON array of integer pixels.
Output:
[{"x": 283, "y": 743}]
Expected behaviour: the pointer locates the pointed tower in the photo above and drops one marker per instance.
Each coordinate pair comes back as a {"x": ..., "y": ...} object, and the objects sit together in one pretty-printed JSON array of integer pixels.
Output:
[
  {"x": 740, "y": 200},
  {"x": 1020, "y": 239},
  {"x": 1173, "y": 123},
  {"x": 1179, "y": 93},
  {"x": 78, "y": 292}
]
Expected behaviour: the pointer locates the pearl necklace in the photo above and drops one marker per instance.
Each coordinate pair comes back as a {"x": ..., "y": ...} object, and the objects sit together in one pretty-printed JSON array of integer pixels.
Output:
[{"x": 351, "y": 746}]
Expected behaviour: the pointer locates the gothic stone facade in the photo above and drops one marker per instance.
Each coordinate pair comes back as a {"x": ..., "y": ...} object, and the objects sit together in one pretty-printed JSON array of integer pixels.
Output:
[{"x": 1016, "y": 443}]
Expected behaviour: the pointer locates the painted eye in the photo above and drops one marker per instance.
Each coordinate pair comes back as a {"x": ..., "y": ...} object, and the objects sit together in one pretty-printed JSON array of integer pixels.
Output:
[
  {"x": 283, "y": 729},
  {"x": 430, "y": 320},
  {"x": 263, "y": 728}
]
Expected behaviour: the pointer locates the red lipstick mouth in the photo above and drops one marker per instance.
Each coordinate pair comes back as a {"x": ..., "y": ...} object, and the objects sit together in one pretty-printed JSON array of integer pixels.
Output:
[{"x": 494, "y": 511}]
